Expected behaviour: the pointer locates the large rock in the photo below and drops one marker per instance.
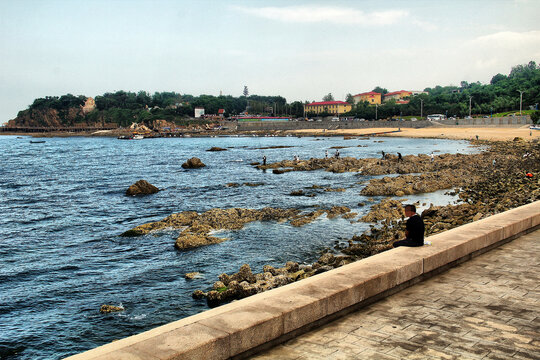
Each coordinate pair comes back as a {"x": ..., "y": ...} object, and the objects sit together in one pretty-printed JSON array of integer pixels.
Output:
[
  {"x": 141, "y": 187},
  {"x": 193, "y": 163}
]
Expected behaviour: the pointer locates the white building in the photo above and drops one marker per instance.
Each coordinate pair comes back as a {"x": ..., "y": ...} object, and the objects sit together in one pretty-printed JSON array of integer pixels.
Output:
[{"x": 199, "y": 111}]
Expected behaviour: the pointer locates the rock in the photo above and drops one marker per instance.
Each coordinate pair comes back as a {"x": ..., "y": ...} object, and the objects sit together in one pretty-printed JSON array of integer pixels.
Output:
[
  {"x": 105, "y": 309},
  {"x": 141, "y": 187},
  {"x": 198, "y": 294},
  {"x": 297, "y": 193},
  {"x": 193, "y": 163},
  {"x": 477, "y": 217},
  {"x": 400, "y": 193},
  {"x": 233, "y": 185},
  {"x": 192, "y": 275},
  {"x": 214, "y": 148},
  {"x": 253, "y": 184}
]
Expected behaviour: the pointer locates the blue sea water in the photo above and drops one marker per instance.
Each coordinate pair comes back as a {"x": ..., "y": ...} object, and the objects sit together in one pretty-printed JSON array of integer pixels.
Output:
[{"x": 63, "y": 206}]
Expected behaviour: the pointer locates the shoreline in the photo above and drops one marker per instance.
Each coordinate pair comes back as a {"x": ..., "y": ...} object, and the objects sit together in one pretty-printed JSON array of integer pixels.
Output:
[{"x": 450, "y": 133}]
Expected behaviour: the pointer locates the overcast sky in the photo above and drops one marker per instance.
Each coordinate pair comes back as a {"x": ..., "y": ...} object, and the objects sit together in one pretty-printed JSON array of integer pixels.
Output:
[{"x": 301, "y": 50}]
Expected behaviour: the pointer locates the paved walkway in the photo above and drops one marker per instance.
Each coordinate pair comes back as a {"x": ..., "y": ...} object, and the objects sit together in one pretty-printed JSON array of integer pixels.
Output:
[{"x": 486, "y": 308}]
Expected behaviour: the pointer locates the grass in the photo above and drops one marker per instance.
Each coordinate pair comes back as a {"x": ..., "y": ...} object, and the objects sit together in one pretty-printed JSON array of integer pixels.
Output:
[{"x": 516, "y": 112}]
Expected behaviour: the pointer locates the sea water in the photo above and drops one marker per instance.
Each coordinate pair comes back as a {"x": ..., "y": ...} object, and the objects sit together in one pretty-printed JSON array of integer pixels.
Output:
[{"x": 63, "y": 207}]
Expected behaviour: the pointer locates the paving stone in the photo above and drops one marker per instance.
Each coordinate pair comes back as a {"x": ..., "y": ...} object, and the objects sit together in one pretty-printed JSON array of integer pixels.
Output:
[{"x": 485, "y": 308}]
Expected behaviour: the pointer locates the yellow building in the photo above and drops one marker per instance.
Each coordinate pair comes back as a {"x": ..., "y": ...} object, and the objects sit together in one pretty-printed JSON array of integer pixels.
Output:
[
  {"x": 331, "y": 107},
  {"x": 371, "y": 97},
  {"x": 397, "y": 95}
]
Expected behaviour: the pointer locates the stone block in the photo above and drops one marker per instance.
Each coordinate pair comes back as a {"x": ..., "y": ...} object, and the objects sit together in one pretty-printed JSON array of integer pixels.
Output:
[
  {"x": 297, "y": 310},
  {"x": 247, "y": 326},
  {"x": 191, "y": 342}
]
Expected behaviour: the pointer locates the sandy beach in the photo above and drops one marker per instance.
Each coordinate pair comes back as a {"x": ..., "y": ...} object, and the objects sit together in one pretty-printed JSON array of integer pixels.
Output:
[{"x": 493, "y": 134}]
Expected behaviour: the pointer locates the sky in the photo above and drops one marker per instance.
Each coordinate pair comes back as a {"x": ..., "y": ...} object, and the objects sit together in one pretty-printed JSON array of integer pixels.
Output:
[{"x": 301, "y": 50}]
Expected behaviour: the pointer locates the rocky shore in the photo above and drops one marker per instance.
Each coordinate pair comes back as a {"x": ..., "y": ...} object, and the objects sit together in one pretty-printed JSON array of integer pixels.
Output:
[
  {"x": 485, "y": 187},
  {"x": 486, "y": 183}
]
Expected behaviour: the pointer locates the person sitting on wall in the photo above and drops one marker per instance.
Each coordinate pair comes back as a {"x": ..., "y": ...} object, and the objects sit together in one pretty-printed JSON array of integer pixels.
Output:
[{"x": 414, "y": 233}]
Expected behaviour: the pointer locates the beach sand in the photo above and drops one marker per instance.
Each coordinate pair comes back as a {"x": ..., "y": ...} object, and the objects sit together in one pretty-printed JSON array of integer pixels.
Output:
[{"x": 493, "y": 134}]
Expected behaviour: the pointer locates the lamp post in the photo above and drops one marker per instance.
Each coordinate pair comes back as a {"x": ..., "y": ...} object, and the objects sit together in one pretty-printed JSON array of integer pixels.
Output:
[
  {"x": 376, "y": 106},
  {"x": 520, "y": 100},
  {"x": 470, "y": 105},
  {"x": 421, "y": 109}
]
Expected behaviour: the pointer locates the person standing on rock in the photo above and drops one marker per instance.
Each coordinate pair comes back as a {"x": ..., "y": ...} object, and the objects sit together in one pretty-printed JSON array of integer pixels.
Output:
[
  {"x": 432, "y": 157},
  {"x": 264, "y": 160},
  {"x": 326, "y": 154},
  {"x": 399, "y": 157},
  {"x": 414, "y": 233},
  {"x": 383, "y": 155}
]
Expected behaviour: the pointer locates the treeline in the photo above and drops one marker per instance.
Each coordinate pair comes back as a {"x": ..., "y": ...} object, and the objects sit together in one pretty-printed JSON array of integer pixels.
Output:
[
  {"x": 500, "y": 95},
  {"x": 123, "y": 108}
]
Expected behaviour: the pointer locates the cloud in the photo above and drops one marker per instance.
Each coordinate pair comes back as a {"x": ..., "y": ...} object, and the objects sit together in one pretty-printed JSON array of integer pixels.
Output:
[{"x": 328, "y": 14}]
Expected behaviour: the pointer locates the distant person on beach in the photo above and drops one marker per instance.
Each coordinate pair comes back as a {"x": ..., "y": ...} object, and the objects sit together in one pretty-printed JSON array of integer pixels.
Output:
[
  {"x": 264, "y": 160},
  {"x": 337, "y": 154},
  {"x": 432, "y": 157},
  {"x": 326, "y": 154},
  {"x": 414, "y": 233},
  {"x": 383, "y": 155},
  {"x": 399, "y": 157},
  {"x": 476, "y": 137}
]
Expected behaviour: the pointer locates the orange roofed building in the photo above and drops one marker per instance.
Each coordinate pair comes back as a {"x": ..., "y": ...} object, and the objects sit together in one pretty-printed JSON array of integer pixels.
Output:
[
  {"x": 371, "y": 97},
  {"x": 331, "y": 107}
]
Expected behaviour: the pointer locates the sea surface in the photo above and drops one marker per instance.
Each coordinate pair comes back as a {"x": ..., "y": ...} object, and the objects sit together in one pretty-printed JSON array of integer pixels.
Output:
[{"x": 63, "y": 207}]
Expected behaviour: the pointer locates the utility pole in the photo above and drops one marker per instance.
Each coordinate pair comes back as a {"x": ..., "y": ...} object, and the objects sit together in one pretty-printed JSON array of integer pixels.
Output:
[
  {"x": 421, "y": 109},
  {"x": 376, "y": 111},
  {"x": 520, "y": 100},
  {"x": 470, "y": 105}
]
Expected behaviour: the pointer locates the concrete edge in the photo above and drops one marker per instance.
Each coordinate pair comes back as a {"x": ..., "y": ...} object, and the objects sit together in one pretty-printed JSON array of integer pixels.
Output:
[{"x": 244, "y": 327}]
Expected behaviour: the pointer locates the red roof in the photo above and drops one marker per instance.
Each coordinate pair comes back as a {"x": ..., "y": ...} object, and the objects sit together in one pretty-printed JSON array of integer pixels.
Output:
[
  {"x": 397, "y": 92},
  {"x": 330, "y": 103},
  {"x": 371, "y": 93}
]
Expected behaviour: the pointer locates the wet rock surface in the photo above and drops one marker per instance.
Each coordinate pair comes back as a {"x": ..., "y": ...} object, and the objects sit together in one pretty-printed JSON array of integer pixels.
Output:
[
  {"x": 141, "y": 187},
  {"x": 215, "y": 148},
  {"x": 196, "y": 228}
]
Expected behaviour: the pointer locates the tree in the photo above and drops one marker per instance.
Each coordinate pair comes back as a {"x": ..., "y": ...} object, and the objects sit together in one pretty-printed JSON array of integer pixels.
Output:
[
  {"x": 380, "y": 90},
  {"x": 349, "y": 98},
  {"x": 246, "y": 91},
  {"x": 328, "y": 97}
]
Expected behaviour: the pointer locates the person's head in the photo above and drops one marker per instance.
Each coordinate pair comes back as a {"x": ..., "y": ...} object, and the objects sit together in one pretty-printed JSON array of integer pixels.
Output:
[{"x": 410, "y": 210}]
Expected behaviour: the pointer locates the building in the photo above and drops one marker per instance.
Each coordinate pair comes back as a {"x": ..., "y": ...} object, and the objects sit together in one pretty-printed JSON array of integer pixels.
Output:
[
  {"x": 331, "y": 107},
  {"x": 371, "y": 97},
  {"x": 199, "y": 111},
  {"x": 397, "y": 95}
]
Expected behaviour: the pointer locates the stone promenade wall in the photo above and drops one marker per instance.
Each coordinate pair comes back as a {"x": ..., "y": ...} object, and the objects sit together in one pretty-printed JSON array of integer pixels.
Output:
[
  {"x": 331, "y": 125},
  {"x": 511, "y": 121},
  {"x": 240, "y": 328}
]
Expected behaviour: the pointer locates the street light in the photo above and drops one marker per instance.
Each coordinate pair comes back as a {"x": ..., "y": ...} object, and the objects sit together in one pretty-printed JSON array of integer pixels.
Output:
[
  {"x": 470, "y": 105},
  {"x": 421, "y": 108},
  {"x": 520, "y": 100},
  {"x": 376, "y": 105}
]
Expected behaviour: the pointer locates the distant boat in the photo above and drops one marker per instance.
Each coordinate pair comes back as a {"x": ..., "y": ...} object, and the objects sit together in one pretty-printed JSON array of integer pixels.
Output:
[
  {"x": 138, "y": 137},
  {"x": 535, "y": 127}
]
